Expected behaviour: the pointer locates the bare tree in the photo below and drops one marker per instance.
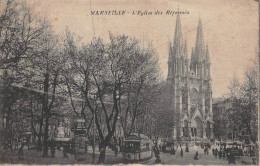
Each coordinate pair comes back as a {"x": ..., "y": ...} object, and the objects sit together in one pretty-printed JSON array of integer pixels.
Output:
[
  {"x": 20, "y": 30},
  {"x": 243, "y": 96},
  {"x": 100, "y": 75}
]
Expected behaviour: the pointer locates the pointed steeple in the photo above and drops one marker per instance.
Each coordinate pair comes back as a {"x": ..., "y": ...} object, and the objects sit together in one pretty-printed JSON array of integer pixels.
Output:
[
  {"x": 185, "y": 50},
  {"x": 170, "y": 58},
  {"x": 178, "y": 41},
  {"x": 192, "y": 59},
  {"x": 170, "y": 62},
  {"x": 199, "y": 46},
  {"x": 207, "y": 58}
]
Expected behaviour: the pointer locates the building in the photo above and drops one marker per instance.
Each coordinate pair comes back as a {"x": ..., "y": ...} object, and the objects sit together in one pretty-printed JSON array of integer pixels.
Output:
[
  {"x": 189, "y": 81},
  {"x": 224, "y": 129},
  {"x": 220, "y": 116}
]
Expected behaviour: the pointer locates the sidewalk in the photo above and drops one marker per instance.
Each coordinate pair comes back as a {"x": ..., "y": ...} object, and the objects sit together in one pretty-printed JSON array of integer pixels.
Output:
[{"x": 34, "y": 157}]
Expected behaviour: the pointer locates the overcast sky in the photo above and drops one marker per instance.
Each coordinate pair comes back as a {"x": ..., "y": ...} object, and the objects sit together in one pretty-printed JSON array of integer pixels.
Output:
[{"x": 230, "y": 28}]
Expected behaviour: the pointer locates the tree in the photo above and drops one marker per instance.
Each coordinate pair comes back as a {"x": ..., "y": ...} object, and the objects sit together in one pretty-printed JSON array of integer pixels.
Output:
[
  {"x": 243, "y": 96},
  {"x": 19, "y": 31},
  {"x": 140, "y": 91},
  {"x": 163, "y": 115},
  {"x": 101, "y": 75}
]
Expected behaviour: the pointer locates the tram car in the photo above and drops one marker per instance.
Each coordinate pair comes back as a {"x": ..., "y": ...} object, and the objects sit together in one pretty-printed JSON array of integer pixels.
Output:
[
  {"x": 234, "y": 148},
  {"x": 167, "y": 147},
  {"x": 137, "y": 148},
  {"x": 80, "y": 141}
]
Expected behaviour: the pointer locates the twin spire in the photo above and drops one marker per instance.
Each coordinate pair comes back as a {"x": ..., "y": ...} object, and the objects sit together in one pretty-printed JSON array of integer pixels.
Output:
[
  {"x": 199, "y": 46},
  {"x": 179, "y": 47}
]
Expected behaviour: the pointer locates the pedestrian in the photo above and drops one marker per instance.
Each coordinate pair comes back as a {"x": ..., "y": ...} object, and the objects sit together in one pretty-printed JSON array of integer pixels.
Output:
[
  {"x": 220, "y": 154},
  {"x": 52, "y": 148},
  {"x": 207, "y": 150},
  {"x": 116, "y": 150},
  {"x": 231, "y": 158},
  {"x": 181, "y": 152},
  {"x": 240, "y": 152},
  {"x": 213, "y": 151},
  {"x": 223, "y": 154},
  {"x": 86, "y": 147},
  {"x": 157, "y": 154},
  {"x": 28, "y": 142},
  {"x": 65, "y": 151},
  {"x": 196, "y": 157},
  {"x": 172, "y": 150},
  {"x": 216, "y": 153},
  {"x": 20, "y": 152},
  {"x": 187, "y": 148}
]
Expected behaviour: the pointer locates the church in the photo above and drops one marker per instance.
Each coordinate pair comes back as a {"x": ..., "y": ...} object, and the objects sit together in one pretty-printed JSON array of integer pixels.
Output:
[{"x": 189, "y": 81}]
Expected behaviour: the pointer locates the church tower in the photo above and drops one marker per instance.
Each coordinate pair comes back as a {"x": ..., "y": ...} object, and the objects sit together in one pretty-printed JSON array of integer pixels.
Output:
[{"x": 190, "y": 84}]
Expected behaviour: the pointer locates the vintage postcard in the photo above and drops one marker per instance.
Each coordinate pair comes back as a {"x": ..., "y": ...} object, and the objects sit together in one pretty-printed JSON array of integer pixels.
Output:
[{"x": 172, "y": 82}]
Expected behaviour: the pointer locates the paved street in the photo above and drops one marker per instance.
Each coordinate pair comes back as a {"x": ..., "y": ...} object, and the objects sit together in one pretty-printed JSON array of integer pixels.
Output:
[
  {"x": 187, "y": 159},
  {"x": 34, "y": 157}
]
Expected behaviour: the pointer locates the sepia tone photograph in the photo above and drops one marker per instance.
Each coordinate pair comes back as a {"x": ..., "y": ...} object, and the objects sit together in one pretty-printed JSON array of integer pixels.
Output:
[{"x": 114, "y": 82}]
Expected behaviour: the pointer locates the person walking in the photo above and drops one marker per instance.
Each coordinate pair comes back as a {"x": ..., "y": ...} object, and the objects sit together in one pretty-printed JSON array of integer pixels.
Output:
[
  {"x": 187, "y": 148},
  {"x": 156, "y": 154},
  {"x": 172, "y": 150},
  {"x": 116, "y": 150},
  {"x": 52, "y": 148},
  {"x": 231, "y": 158},
  {"x": 220, "y": 154},
  {"x": 20, "y": 152},
  {"x": 224, "y": 153},
  {"x": 181, "y": 152},
  {"x": 213, "y": 151},
  {"x": 196, "y": 157},
  {"x": 65, "y": 151},
  {"x": 216, "y": 153}
]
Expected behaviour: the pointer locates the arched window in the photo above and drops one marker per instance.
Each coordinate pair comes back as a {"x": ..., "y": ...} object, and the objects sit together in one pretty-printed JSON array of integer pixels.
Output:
[
  {"x": 184, "y": 100},
  {"x": 194, "y": 98}
]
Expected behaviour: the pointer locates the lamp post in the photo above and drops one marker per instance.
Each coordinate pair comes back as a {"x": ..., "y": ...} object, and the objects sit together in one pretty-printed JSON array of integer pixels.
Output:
[{"x": 94, "y": 138}]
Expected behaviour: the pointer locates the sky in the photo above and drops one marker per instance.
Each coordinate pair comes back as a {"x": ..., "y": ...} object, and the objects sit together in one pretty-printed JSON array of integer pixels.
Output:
[{"x": 230, "y": 28}]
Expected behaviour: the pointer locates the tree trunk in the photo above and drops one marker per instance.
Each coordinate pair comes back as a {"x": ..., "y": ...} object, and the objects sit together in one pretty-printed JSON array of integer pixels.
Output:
[
  {"x": 39, "y": 144},
  {"x": 45, "y": 141},
  {"x": 39, "y": 148},
  {"x": 102, "y": 155},
  {"x": 46, "y": 114}
]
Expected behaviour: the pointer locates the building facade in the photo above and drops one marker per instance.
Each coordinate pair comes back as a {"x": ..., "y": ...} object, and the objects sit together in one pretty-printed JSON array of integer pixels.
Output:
[
  {"x": 224, "y": 129},
  {"x": 190, "y": 83},
  {"x": 220, "y": 117}
]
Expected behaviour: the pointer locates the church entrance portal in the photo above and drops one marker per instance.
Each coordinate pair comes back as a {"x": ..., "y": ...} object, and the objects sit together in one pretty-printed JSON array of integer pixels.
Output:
[
  {"x": 199, "y": 128},
  {"x": 186, "y": 129}
]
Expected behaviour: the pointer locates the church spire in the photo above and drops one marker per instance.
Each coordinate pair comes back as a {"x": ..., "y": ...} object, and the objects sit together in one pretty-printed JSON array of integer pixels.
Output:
[
  {"x": 177, "y": 44},
  {"x": 192, "y": 60},
  {"x": 170, "y": 58},
  {"x": 185, "y": 50},
  {"x": 207, "y": 58},
  {"x": 199, "y": 46}
]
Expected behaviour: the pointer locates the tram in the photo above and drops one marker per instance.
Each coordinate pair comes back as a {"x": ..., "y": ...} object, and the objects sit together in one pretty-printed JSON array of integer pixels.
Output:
[
  {"x": 235, "y": 148},
  {"x": 80, "y": 141},
  {"x": 137, "y": 148}
]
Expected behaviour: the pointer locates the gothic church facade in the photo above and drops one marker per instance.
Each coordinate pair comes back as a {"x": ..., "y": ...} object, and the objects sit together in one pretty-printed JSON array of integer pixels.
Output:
[{"x": 190, "y": 82}]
